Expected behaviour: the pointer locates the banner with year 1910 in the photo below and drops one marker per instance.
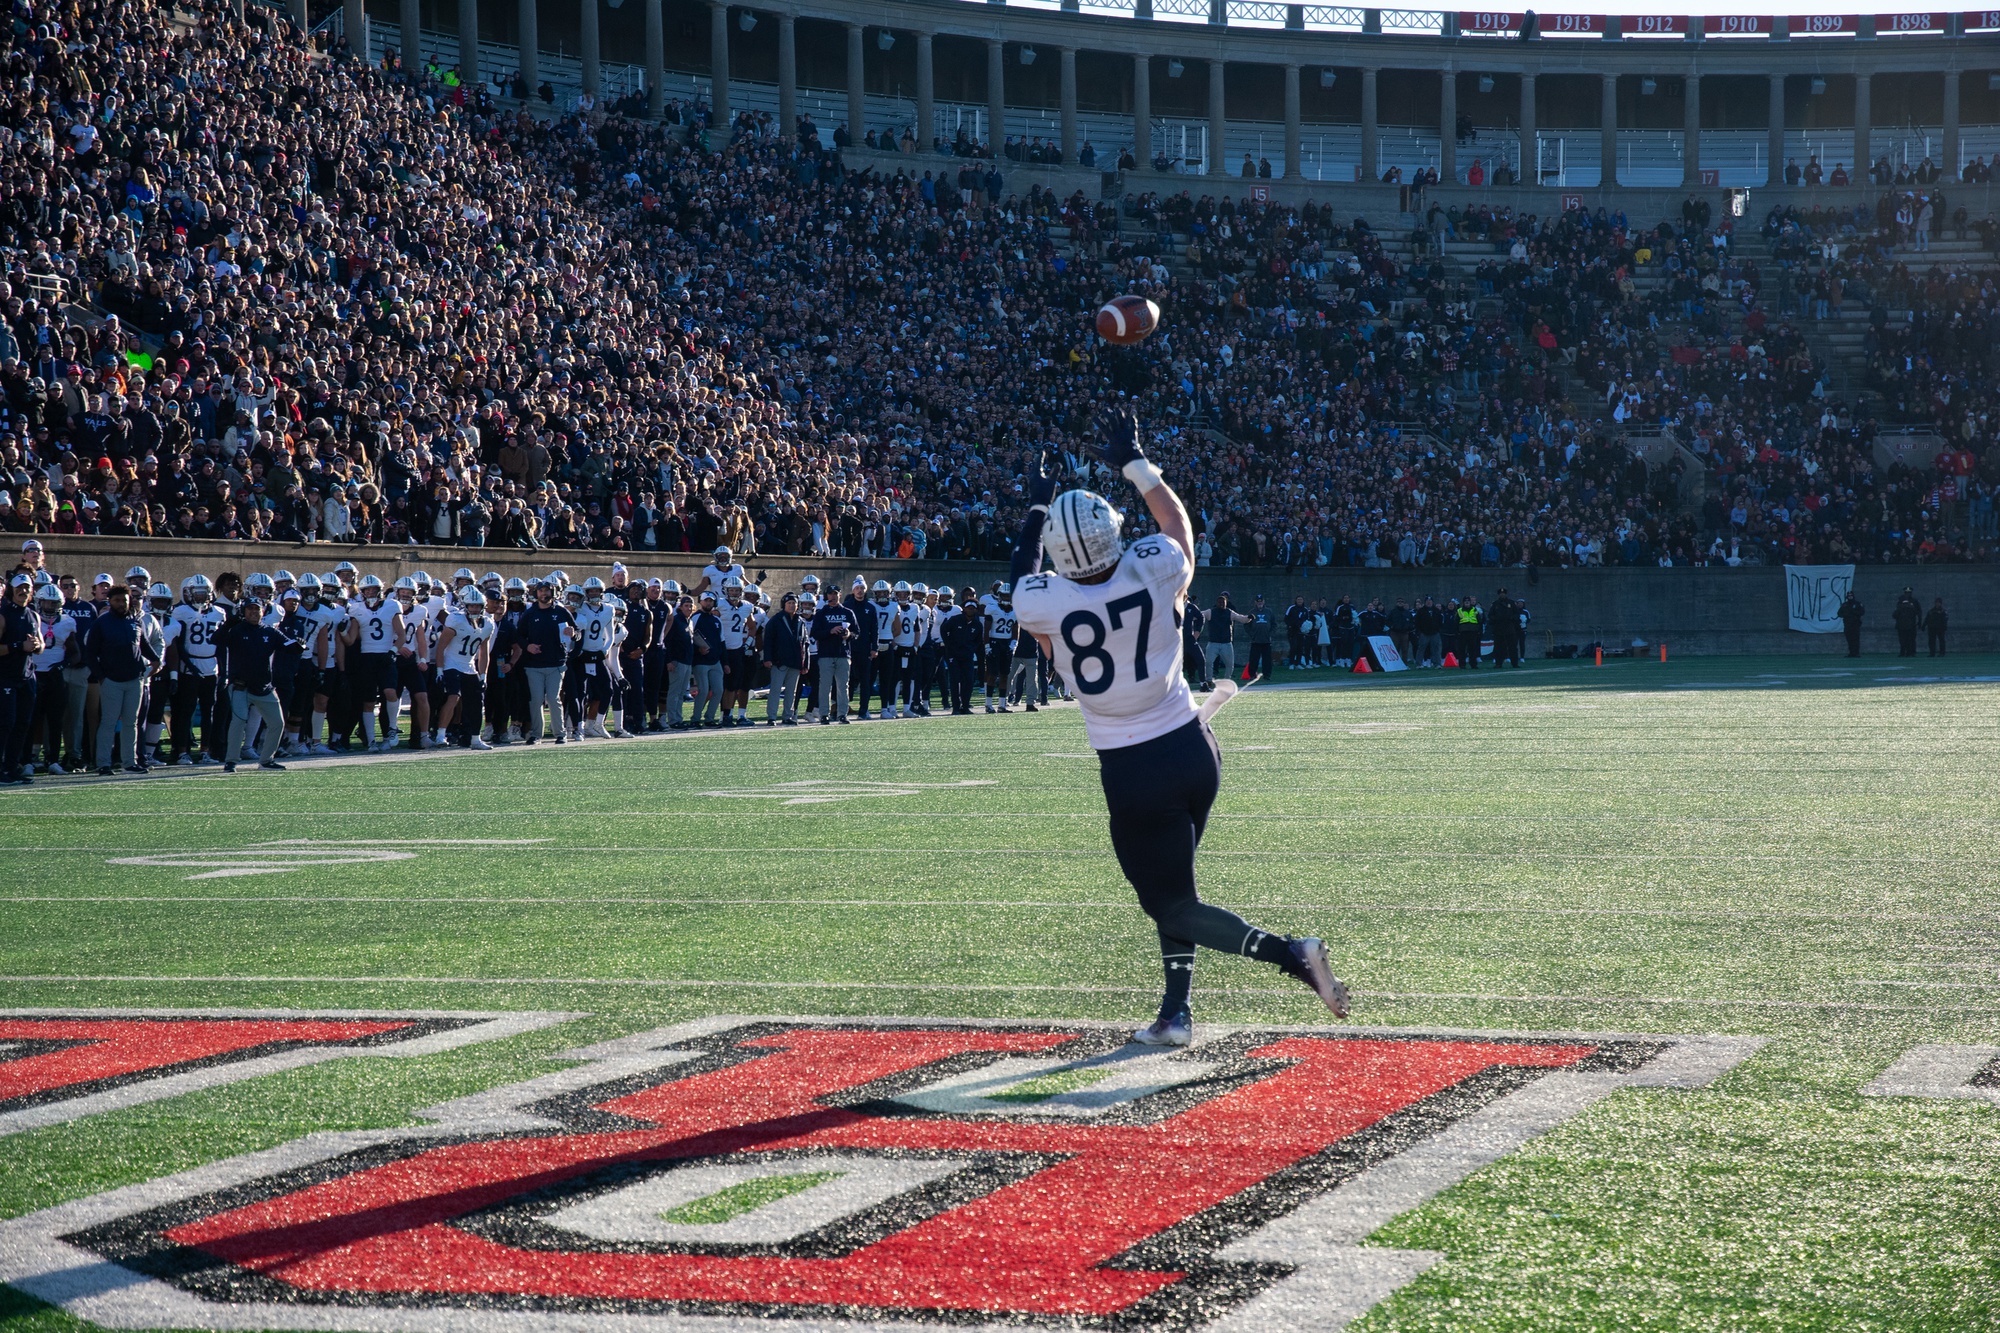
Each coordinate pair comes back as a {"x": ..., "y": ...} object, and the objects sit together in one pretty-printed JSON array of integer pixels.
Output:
[{"x": 1813, "y": 594}]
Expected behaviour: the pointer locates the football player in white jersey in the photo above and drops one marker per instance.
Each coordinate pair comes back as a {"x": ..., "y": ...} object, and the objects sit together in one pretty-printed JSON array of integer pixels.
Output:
[
  {"x": 1001, "y": 629},
  {"x": 740, "y": 628},
  {"x": 462, "y": 648},
  {"x": 1111, "y": 617},
  {"x": 901, "y": 652},
  {"x": 718, "y": 571},
  {"x": 590, "y": 659},
  {"x": 58, "y": 627},
  {"x": 197, "y": 620},
  {"x": 375, "y": 635},
  {"x": 413, "y": 660},
  {"x": 161, "y": 631}
]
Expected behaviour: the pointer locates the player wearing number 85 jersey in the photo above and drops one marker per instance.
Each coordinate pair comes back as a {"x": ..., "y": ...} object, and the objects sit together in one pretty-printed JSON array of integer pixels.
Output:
[{"x": 1110, "y": 618}]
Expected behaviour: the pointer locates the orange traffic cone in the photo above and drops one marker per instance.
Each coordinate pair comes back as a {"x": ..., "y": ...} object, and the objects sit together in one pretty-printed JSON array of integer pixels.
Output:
[
  {"x": 1361, "y": 667},
  {"x": 1451, "y": 659}
]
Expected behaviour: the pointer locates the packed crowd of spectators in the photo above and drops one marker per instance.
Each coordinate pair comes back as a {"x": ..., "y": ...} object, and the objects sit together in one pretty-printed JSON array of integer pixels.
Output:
[{"x": 355, "y": 305}]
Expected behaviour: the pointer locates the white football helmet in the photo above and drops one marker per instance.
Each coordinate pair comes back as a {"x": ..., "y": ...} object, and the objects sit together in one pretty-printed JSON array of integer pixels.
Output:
[
  {"x": 371, "y": 590},
  {"x": 261, "y": 587},
  {"x": 472, "y": 599},
  {"x": 196, "y": 590},
  {"x": 1083, "y": 534},
  {"x": 138, "y": 578}
]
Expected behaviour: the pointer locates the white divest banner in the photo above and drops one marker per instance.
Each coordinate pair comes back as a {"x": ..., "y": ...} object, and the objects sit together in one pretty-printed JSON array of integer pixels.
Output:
[{"x": 1813, "y": 594}]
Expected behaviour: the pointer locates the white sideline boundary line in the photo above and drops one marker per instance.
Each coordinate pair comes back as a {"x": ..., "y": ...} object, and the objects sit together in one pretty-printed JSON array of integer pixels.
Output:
[
  {"x": 495, "y": 1025},
  {"x": 1108, "y": 903},
  {"x": 1334, "y": 1281},
  {"x": 930, "y": 986}
]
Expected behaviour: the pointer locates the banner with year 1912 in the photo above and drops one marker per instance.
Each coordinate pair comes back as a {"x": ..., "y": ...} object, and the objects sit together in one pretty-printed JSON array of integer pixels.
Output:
[{"x": 1813, "y": 594}]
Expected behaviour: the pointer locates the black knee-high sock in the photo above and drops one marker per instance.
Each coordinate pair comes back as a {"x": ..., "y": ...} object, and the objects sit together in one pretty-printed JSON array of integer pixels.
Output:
[
  {"x": 1222, "y": 930},
  {"x": 1177, "y": 958}
]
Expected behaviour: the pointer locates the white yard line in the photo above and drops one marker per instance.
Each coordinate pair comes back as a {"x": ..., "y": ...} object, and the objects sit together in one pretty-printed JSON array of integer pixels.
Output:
[
  {"x": 929, "y": 986},
  {"x": 1119, "y": 904}
]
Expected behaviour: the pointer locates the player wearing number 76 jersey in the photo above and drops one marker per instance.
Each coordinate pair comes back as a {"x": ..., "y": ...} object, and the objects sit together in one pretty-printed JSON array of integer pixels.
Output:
[{"x": 1110, "y": 617}]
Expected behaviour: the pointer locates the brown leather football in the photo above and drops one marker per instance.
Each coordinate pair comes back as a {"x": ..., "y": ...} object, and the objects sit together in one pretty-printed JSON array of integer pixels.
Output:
[{"x": 1126, "y": 320}]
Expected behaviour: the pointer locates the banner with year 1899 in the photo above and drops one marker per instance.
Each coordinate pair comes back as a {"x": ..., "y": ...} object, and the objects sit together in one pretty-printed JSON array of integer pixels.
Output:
[{"x": 1813, "y": 594}]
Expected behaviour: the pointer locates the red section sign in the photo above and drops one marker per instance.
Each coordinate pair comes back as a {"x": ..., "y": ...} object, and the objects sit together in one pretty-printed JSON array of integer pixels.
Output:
[
  {"x": 964, "y": 1194},
  {"x": 1488, "y": 23},
  {"x": 1823, "y": 25},
  {"x": 1653, "y": 25},
  {"x": 1570, "y": 25},
  {"x": 1889, "y": 24},
  {"x": 1737, "y": 25},
  {"x": 1986, "y": 20}
]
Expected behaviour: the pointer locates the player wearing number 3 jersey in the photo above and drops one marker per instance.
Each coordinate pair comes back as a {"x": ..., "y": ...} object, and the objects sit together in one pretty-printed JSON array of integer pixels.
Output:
[{"x": 1110, "y": 617}]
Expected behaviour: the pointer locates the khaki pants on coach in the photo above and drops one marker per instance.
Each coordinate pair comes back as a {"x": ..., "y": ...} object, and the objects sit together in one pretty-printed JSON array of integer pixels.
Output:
[
  {"x": 240, "y": 704},
  {"x": 832, "y": 687},
  {"x": 783, "y": 700},
  {"x": 119, "y": 720}
]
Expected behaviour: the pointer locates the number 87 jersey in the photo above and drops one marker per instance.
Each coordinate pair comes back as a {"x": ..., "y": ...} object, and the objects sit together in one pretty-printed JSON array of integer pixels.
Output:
[{"x": 1118, "y": 642}]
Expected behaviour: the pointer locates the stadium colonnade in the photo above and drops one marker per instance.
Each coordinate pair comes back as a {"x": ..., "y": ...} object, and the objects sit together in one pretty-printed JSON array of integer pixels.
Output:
[
  {"x": 1321, "y": 92},
  {"x": 1711, "y": 609}
]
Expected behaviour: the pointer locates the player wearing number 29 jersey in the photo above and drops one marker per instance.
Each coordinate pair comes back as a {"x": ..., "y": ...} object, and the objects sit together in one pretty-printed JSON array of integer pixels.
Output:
[
  {"x": 1111, "y": 618},
  {"x": 1118, "y": 642}
]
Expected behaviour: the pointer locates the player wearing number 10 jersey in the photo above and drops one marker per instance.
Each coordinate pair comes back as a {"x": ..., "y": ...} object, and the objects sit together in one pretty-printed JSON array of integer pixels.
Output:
[{"x": 1110, "y": 618}]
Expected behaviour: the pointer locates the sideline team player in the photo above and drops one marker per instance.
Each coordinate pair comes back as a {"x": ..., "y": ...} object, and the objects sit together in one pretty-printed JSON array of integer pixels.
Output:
[{"x": 1111, "y": 620}]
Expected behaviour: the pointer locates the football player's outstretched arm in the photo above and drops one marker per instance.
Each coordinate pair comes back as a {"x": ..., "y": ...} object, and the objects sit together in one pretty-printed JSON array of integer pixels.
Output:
[
  {"x": 1122, "y": 451},
  {"x": 1028, "y": 546}
]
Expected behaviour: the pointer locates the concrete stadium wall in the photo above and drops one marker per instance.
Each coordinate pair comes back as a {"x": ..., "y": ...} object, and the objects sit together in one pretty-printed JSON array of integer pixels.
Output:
[{"x": 1694, "y": 611}]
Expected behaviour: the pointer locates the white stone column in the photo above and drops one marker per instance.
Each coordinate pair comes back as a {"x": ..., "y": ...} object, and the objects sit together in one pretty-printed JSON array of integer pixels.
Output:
[
  {"x": 1292, "y": 165},
  {"x": 1864, "y": 119},
  {"x": 1142, "y": 111},
  {"x": 531, "y": 46},
  {"x": 1371, "y": 133},
  {"x": 1448, "y": 125},
  {"x": 926, "y": 94},
  {"x": 718, "y": 62},
  {"x": 1068, "y": 97},
  {"x": 1691, "y": 133},
  {"x": 1607, "y": 144},
  {"x": 413, "y": 50},
  {"x": 1775, "y": 134},
  {"x": 857, "y": 73},
  {"x": 1531, "y": 166},
  {"x": 1951, "y": 150},
  {"x": 996, "y": 94},
  {"x": 1218, "y": 123},
  {"x": 593, "y": 70},
  {"x": 468, "y": 41},
  {"x": 788, "y": 75}
]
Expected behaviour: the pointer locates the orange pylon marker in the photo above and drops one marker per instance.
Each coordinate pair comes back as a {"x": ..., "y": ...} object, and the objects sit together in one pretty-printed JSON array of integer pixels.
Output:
[
  {"x": 1600, "y": 656},
  {"x": 1361, "y": 667},
  {"x": 1451, "y": 659},
  {"x": 1663, "y": 652}
]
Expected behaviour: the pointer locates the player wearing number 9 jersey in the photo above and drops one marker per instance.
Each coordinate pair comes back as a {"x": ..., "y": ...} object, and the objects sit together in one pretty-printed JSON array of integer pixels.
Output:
[{"x": 1111, "y": 618}]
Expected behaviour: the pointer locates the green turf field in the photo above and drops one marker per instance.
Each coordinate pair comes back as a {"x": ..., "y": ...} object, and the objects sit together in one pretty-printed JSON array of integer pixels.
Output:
[{"x": 1799, "y": 848}]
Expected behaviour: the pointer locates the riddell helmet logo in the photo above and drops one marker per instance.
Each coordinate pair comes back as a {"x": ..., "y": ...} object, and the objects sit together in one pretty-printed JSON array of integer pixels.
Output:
[{"x": 887, "y": 1174}]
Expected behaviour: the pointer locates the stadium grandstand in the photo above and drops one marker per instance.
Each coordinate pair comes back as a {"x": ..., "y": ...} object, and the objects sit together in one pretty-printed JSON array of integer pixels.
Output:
[{"x": 506, "y": 291}]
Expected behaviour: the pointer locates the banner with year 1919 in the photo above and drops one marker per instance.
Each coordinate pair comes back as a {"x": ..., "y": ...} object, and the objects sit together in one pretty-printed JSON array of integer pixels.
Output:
[{"x": 1813, "y": 594}]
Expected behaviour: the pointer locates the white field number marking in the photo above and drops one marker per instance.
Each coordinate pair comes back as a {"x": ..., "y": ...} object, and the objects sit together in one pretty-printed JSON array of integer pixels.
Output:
[
  {"x": 281, "y": 857},
  {"x": 819, "y": 791}
]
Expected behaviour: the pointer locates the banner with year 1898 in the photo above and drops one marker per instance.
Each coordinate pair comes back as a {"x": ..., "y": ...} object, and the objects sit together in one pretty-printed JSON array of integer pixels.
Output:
[{"x": 1813, "y": 594}]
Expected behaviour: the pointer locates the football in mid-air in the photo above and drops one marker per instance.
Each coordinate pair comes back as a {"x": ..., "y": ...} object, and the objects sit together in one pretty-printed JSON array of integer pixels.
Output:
[{"x": 1126, "y": 320}]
